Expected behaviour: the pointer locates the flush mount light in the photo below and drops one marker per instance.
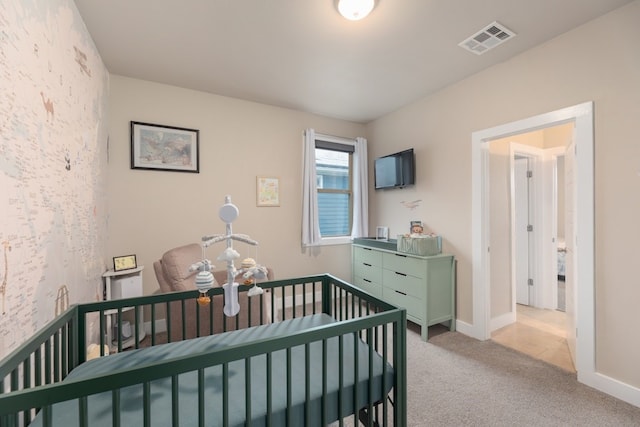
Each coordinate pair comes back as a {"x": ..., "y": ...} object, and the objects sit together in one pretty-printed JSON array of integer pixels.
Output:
[{"x": 355, "y": 10}]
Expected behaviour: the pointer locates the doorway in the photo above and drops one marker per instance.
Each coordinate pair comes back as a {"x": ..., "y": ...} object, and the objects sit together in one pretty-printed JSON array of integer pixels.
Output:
[{"x": 582, "y": 116}]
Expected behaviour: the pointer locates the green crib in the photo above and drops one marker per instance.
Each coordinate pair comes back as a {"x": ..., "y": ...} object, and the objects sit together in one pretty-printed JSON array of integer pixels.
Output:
[{"x": 328, "y": 353}]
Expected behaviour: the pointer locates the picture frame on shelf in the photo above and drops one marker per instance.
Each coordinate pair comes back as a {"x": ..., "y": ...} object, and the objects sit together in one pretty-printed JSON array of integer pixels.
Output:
[
  {"x": 124, "y": 262},
  {"x": 267, "y": 191},
  {"x": 166, "y": 148},
  {"x": 382, "y": 233}
]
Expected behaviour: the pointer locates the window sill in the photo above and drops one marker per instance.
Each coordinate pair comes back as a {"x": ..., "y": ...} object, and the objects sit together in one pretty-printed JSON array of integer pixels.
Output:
[{"x": 331, "y": 241}]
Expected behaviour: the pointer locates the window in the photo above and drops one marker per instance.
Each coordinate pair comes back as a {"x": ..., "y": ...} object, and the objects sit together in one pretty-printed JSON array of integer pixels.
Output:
[
  {"x": 334, "y": 189},
  {"x": 334, "y": 165}
]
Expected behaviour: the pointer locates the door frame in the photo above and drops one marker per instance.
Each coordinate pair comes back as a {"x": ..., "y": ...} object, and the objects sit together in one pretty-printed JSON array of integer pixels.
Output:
[{"x": 582, "y": 116}]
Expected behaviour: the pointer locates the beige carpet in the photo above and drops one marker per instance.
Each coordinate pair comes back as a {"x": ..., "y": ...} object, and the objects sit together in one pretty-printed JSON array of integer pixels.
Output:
[{"x": 454, "y": 380}]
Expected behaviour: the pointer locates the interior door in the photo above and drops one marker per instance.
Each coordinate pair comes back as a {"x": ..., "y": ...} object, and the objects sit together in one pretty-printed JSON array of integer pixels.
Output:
[
  {"x": 522, "y": 234},
  {"x": 570, "y": 239}
]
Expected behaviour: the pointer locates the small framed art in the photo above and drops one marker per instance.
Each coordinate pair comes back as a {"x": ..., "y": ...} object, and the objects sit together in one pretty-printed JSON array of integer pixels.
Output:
[
  {"x": 166, "y": 148},
  {"x": 267, "y": 191},
  {"x": 124, "y": 262},
  {"x": 382, "y": 233}
]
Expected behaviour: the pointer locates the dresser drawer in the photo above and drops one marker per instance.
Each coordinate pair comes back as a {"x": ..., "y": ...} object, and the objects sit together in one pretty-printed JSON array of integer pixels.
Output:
[
  {"x": 370, "y": 272},
  {"x": 404, "y": 264},
  {"x": 367, "y": 256},
  {"x": 406, "y": 284},
  {"x": 373, "y": 288},
  {"x": 415, "y": 307}
]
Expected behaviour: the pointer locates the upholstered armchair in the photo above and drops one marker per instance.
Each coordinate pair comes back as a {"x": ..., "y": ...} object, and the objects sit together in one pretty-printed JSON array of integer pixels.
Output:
[{"x": 172, "y": 272}]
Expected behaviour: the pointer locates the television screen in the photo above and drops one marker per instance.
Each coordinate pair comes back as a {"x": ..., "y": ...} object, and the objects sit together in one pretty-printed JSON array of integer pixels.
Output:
[{"x": 394, "y": 170}]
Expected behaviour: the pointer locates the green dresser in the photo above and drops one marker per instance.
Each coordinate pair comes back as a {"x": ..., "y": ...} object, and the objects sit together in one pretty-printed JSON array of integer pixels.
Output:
[{"x": 423, "y": 285}]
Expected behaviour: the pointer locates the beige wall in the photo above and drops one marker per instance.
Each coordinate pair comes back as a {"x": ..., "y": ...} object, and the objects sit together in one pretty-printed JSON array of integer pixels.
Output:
[
  {"x": 599, "y": 61},
  {"x": 153, "y": 211}
]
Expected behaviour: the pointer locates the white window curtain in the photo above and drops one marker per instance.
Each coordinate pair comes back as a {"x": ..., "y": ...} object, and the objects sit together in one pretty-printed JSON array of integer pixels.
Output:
[
  {"x": 310, "y": 224},
  {"x": 360, "y": 190}
]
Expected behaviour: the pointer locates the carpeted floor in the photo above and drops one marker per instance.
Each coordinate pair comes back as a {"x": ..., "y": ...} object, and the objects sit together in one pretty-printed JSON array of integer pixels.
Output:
[{"x": 455, "y": 380}]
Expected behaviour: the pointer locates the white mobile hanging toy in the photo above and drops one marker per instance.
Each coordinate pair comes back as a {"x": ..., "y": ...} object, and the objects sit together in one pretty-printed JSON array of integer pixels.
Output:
[{"x": 204, "y": 280}]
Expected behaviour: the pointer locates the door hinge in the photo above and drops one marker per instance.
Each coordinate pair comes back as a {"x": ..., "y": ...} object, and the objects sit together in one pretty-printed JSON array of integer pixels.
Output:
[
  {"x": 529, "y": 174},
  {"x": 530, "y": 282},
  {"x": 529, "y": 227}
]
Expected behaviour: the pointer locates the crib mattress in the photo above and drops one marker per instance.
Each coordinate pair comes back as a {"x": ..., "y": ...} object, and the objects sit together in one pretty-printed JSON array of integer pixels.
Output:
[{"x": 99, "y": 405}]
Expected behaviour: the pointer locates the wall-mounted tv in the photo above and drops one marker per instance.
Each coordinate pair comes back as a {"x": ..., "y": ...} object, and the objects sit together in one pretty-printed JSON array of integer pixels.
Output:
[{"x": 395, "y": 170}]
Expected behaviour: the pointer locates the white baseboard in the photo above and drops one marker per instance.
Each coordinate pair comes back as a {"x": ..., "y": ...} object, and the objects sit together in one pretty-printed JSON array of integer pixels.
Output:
[
  {"x": 502, "y": 321},
  {"x": 465, "y": 328},
  {"x": 613, "y": 387}
]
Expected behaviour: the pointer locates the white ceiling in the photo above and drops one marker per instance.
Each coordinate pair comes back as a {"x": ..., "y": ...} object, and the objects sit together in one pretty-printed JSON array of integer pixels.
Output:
[{"x": 302, "y": 54}]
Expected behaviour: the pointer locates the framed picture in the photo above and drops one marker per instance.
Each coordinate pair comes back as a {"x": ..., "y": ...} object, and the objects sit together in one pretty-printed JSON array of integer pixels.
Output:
[
  {"x": 164, "y": 148},
  {"x": 125, "y": 262},
  {"x": 267, "y": 191},
  {"x": 382, "y": 233}
]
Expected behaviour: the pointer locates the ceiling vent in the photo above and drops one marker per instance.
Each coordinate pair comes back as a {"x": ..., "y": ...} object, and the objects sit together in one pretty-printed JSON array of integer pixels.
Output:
[{"x": 487, "y": 38}]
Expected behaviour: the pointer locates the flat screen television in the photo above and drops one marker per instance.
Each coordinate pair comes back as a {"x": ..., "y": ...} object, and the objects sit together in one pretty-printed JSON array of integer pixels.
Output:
[{"x": 395, "y": 170}]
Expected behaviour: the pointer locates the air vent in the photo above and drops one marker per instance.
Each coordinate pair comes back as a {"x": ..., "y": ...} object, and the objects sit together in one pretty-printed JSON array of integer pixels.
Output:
[{"x": 486, "y": 39}]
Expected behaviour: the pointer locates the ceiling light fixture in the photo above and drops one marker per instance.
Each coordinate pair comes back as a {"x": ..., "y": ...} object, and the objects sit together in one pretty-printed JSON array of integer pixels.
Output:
[{"x": 355, "y": 10}]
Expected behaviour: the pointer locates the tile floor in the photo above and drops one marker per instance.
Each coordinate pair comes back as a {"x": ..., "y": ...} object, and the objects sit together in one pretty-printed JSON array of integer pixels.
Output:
[{"x": 538, "y": 333}]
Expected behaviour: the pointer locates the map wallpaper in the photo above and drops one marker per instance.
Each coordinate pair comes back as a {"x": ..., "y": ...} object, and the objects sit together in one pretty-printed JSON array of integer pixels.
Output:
[{"x": 53, "y": 165}]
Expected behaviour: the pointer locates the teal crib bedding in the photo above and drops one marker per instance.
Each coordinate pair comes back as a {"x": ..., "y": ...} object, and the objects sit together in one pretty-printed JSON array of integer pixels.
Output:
[{"x": 99, "y": 406}]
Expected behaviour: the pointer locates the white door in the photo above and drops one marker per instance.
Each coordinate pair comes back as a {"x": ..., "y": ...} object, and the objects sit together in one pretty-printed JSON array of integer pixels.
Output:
[
  {"x": 570, "y": 240},
  {"x": 523, "y": 236}
]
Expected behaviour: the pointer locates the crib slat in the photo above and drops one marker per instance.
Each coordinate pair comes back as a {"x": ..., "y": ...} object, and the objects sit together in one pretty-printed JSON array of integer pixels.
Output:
[
  {"x": 183, "y": 313},
  {"x": 168, "y": 316},
  {"x": 369, "y": 398},
  {"x": 175, "y": 407},
  {"x": 47, "y": 416},
  {"x": 201, "y": 413},
  {"x": 115, "y": 407},
  {"x": 83, "y": 412},
  {"x": 56, "y": 357},
  {"x": 153, "y": 325},
  {"x": 273, "y": 305},
  {"x": 136, "y": 316},
  {"x": 146, "y": 403},
  {"x": 211, "y": 311},
  {"x": 307, "y": 386},
  {"x": 385, "y": 404},
  {"x": 289, "y": 387},
  {"x": 63, "y": 352},
  {"x": 225, "y": 394},
  {"x": 197, "y": 320},
  {"x": 247, "y": 391},
  {"x": 37, "y": 361},
  {"x": 47, "y": 361},
  {"x": 324, "y": 383},
  {"x": 103, "y": 329},
  {"x": 119, "y": 320},
  {"x": 356, "y": 371},
  {"x": 269, "y": 387},
  {"x": 340, "y": 377},
  {"x": 26, "y": 382}
]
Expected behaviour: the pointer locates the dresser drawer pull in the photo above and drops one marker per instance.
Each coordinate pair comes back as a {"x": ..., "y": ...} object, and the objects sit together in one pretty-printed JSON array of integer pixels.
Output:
[
  {"x": 401, "y": 274},
  {"x": 401, "y": 293},
  {"x": 403, "y": 256},
  {"x": 365, "y": 280},
  {"x": 368, "y": 265}
]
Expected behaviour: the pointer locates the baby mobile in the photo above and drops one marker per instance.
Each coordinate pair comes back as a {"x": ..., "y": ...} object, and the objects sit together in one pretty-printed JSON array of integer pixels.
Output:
[{"x": 250, "y": 270}]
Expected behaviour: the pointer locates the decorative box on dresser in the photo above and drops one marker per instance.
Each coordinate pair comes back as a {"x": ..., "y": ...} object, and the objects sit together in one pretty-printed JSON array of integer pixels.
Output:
[{"x": 423, "y": 285}]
